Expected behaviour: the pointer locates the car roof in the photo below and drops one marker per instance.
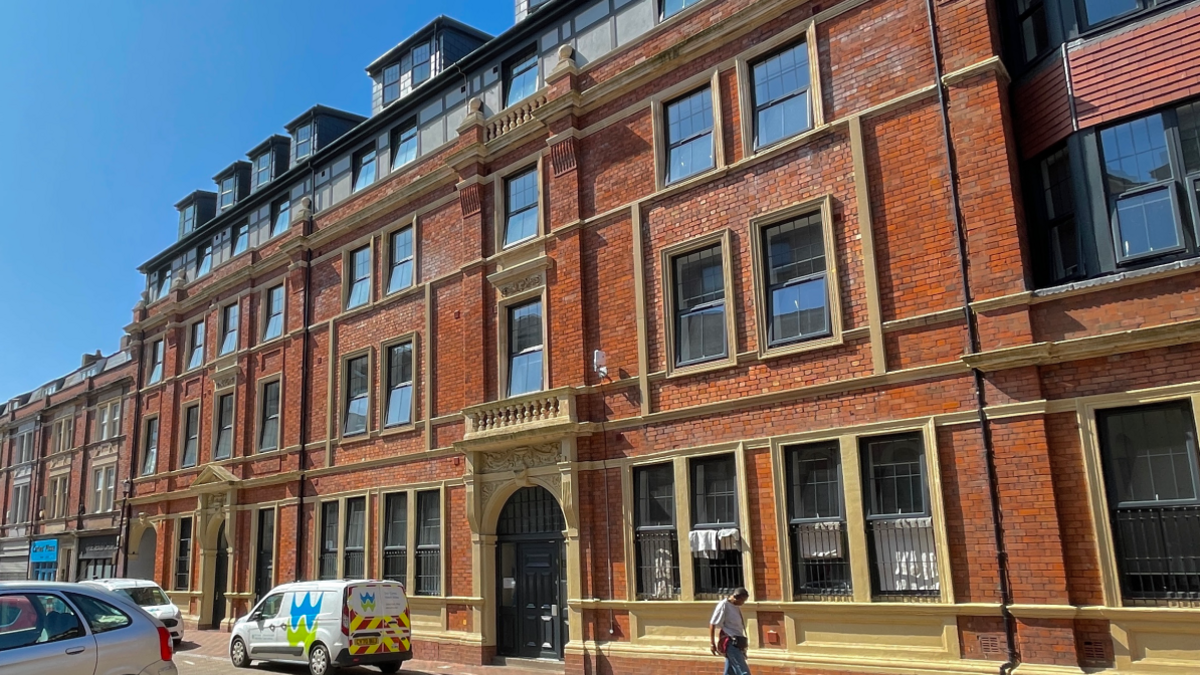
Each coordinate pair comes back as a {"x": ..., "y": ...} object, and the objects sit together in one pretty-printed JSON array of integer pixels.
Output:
[
  {"x": 328, "y": 585},
  {"x": 123, "y": 583},
  {"x": 33, "y": 586}
]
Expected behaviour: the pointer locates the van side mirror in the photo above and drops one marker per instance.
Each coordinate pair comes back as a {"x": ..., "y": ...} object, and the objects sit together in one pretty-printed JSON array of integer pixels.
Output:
[{"x": 255, "y": 615}]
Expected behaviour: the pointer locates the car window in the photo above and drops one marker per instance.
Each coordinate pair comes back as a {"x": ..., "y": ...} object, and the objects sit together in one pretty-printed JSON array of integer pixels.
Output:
[
  {"x": 269, "y": 608},
  {"x": 35, "y": 618},
  {"x": 100, "y": 615},
  {"x": 146, "y": 596}
]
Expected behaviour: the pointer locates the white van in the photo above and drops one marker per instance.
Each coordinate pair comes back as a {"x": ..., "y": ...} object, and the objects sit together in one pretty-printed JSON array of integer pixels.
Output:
[
  {"x": 150, "y": 597},
  {"x": 328, "y": 624}
]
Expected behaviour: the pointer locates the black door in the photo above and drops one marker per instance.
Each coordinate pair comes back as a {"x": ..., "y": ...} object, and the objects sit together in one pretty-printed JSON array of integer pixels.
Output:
[
  {"x": 537, "y": 587},
  {"x": 264, "y": 573},
  {"x": 220, "y": 578}
]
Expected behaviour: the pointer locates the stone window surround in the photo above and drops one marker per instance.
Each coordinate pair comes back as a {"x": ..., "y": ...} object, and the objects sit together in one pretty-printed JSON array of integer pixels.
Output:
[
  {"x": 260, "y": 410},
  {"x": 184, "y": 406},
  {"x": 216, "y": 426},
  {"x": 411, "y": 532},
  {"x": 145, "y": 439},
  {"x": 806, "y": 32},
  {"x": 667, "y": 255},
  {"x": 263, "y": 317},
  {"x": 344, "y": 388},
  {"x": 412, "y": 337},
  {"x": 499, "y": 180},
  {"x": 387, "y": 233},
  {"x": 502, "y": 337},
  {"x": 710, "y": 78},
  {"x": 203, "y": 322}
]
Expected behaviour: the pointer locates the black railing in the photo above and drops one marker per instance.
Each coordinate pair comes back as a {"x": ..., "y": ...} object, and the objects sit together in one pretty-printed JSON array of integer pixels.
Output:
[
  {"x": 354, "y": 565},
  {"x": 429, "y": 571},
  {"x": 1158, "y": 552},
  {"x": 903, "y": 558},
  {"x": 327, "y": 568},
  {"x": 820, "y": 566},
  {"x": 718, "y": 577},
  {"x": 395, "y": 564},
  {"x": 658, "y": 564}
]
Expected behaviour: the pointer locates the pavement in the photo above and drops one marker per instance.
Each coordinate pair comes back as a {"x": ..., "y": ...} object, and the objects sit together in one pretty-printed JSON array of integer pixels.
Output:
[{"x": 206, "y": 653}]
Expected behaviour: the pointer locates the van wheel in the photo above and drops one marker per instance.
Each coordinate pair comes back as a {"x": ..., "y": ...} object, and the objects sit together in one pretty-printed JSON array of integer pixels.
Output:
[
  {"x": 238, "y": 655},
  {"x": 389, "y": 667},
  {"x": 318, "y": 660}
]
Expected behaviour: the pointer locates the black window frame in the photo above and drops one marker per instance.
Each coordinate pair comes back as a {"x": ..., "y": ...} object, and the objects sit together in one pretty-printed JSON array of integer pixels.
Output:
[
  {"x": 683, "y": 311},
  {"x": 354, "y": 539},
  {"x": 728, "y": 566},
  {"x": 670, "y": 144},
  {"x": 1036, "y": 16},
  {"x": 402, "y": 271},
  {"x": 196, "y": 335},
  {"x": 223, "y": 447},
  {"x": 327, "y": 564},
  {"x": 150, "y": 448},
  {"x": 655, "y": 537},
  {"x": 517, "y": 66},
  {"x": 273, "y": 313},
  {"x": 665, "y": 11},
  {"x": 404, "y": 134},
  {"x": 358, "y": 276},
  {"x": 424, "y": 66},
  {"x": 264, "y": 555},
  {"x": 357, "y": 391},
  {"x": 258, "y": 168},
  {"x": 241, "y": 238},
  {"x": 769, "y": 269},
  {"x": 187, "y": 219},
  {"x": 191, "y": 437},
  {"x": 515, "y": 352},
  {"x": 385, "y": 84},
  {"x": 815, "y": 572},
  {"x": 511, "y": 212},
  {"x": 1057, "y": 234},
  {"x": 227, "y": 186},
  {"x": 303, "y": 137},
  {"x": 366, "y": 158},
  {"x": 428, "y": 581},
  {"x": 1142, "y": 6},
  {"x": 183, "y": 555},
  {"x": 395, "y": 537},
  {"x": 269, "y": 415},
  {"x": 156, "y": 361},
  {"x": 230, "y": 321},
  {"x": 396, "y": 383},
  {"x": 757, "y": 106},
  {"x": 281, "y": 209}
]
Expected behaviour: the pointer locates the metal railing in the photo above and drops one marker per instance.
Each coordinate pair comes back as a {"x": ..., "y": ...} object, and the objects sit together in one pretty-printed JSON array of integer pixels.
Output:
[
  {"x": 657, "y": 564},
  {"x": 820, "y": 563},
  {"x": 327, "y": 565},
  {"x": 429, "y": 571},
  {"x": 718, "y": 577},
  {"x": 354, "y": 565},
  {"x": 395, "y": 564},
  {"x": 904, "y": 561},
  {"x": 1158, "y": 552}
]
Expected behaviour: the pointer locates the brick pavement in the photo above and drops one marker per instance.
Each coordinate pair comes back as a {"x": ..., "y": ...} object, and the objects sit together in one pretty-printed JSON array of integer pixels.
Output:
[{"x": 205, "y": 653}]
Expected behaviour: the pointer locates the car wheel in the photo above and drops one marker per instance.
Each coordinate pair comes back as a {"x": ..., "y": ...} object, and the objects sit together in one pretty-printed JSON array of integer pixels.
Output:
[
  {"x": 238, "y": 655},
  {"x": 318, "y": 660},
  {"x": 389, "y": 667}
]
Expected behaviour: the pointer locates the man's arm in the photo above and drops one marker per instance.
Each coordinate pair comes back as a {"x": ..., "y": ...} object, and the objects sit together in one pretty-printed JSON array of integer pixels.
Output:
[{"x": 712, "y": 639}]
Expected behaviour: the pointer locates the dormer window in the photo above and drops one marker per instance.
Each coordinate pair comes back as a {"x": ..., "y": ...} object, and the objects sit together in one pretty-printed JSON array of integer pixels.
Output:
[
  {"x": 303, "y": 141},
  {"x": 421, "y": 65},
  {"x": 391, "y": 83},
  {"x": 521, "y": 77},
  {"x": 227, "y": 186},
  {"x": 262, "y": 170},
  {"x": 187, "y": 219},
  {"x": 281, "y": 219},
  {"x": 204, "y": 260},
  {"x": 160, "y": 283}
]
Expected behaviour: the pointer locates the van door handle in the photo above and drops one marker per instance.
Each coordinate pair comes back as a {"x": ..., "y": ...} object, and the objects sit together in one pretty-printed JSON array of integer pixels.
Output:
[{"x": 75, "y": 650}]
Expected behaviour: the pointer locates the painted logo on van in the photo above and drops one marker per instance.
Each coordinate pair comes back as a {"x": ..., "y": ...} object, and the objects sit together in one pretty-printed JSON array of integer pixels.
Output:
[
  {"x": 302, "y": 627},
  {"x": 367, "y": 600}
]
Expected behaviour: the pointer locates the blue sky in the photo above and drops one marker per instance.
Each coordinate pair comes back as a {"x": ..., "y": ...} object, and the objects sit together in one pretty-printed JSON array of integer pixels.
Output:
[{"x": 110, "y": 112}]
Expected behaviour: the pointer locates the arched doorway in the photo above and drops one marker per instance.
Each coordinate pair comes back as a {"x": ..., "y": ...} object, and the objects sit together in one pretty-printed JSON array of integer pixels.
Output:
[
  {"x": 141, "y": 564},
  {"x": 220, "y": 578},
  {"x": 531, "y": 576}
]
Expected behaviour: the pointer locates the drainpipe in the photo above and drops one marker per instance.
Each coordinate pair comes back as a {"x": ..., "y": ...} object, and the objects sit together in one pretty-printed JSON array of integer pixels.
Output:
[
  {"x": 304, "y": 377},
  {"x": 989, "y": 451},
  {"x": 134, "y": 436}
]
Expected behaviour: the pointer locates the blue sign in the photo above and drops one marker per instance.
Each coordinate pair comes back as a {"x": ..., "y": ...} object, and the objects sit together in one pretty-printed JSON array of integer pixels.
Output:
[{"x": 44, "y": 551}]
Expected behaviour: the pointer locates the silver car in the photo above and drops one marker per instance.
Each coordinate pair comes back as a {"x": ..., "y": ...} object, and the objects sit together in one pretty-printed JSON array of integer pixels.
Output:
[{"x": 48, "y": 627}]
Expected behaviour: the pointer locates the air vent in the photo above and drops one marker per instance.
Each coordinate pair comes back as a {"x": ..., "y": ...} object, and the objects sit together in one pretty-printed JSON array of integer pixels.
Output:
[
  {"x": 1095, "y": 652},
  {"x": 990, "y": 645}
]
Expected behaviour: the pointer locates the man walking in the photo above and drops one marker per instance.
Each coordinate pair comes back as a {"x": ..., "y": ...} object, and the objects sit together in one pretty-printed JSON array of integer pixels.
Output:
[{"x": 727, "y": 632}]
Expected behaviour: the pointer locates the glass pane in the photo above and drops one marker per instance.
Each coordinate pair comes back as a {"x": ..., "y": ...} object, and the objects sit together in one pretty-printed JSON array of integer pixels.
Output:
[
  {"x": 689, "y": 135},
  {"x": 1056, "y": 185},
  {"x": 521, "y": 208},
  {"x": 525, "y": 327},
  {"x": 522, "y": 80},
  {"x": 896, "y": 482},
  {"x": 1135, "y": 154},
  {"x": 799, "y": 311},
  {"x": 781, "y": 94},
  {"x": 283, "y": 218},
  {"x": 1034, "y": 37},
  {"x": 1189, "y": 135},
  {"x": 101, "y": 616},
  {"x": 396, "y": 528},
  {"x": 406, "y": 148},
  {"x": 1150, "y": 453},
  {"x": 655, "y": 488},
  {"x": 1146, "y": 223},
  {"x": 429, "y": 522},
  {"x": 714, "y": 491},
  {"x": 671, "y": 7},
  {"x": 400, "y": 405},
  {"x": 526, "y": 374},
  {"x": 356, "y": 522},
  {"x": 814, "y": 475},
  {"x": 1102, "y": 10},
  {"x": 785, "y": 118}
]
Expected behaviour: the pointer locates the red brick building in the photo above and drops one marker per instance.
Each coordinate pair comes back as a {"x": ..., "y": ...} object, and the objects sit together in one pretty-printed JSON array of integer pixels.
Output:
[{"x": 851, "y": 303}]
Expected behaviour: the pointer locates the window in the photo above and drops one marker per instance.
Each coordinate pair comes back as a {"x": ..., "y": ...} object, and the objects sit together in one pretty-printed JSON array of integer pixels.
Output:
[
  {"x": 156, "y": 361},
  {"x": 357, "y": 386},
  {"x": 359, "y": 292},
  {"x": 796, "y": 281},
  {"x": 196, "y": 359},
  {"x": 104, "y": 481},
  {"x": 264, "y": 572},
  {"x": 521, "y": 78},
  {"x": 19, "y": 509},
  {"x": 241, "y": 238},
  {"x": 1140, "y": 179},
  {"x": 262, "y": 170},
  {"x": 521, "y": 207},
  {"x": 183, "y": 556},
  {"x": 160, "y": 283},
  {"x": 673, "y": 7},
  {"x": 1099, "y": 11},
  {"x": 421, "y": 65},
  {"x": 187, "y": 219},
  {"x": 229, "y": 329},
  {"x": 354, "y": 552},
  {"x": 525, "y": 348},
  {"x": 1153, "y": 484},
  {"x": 24, "y": 447},
  {"x": 150, "y": 452},
  {"x": 395, "y": 537},
  {"x": 700, "y": 325},
  {"x": 327, "y": 565},
  {"x": 655, "y": 538},
  {"x": 268, "y": 435},
  {"x": 227, "y": 192},
  {"x": 101, "y": 616},
  {"x": 781, "y": 86},
  {"x": 899, "y": 526},
  {"x": 816, "y": 521},
  {"x": 302, "y": 143},
  {"x": 224, "y": 447},
  {"x": 59, "y": 496},
  {"x": 399, "y": 384},
  {"x": 689, "y": 138},
  {"x": 114, "y": 419},
  {"x": 404, "y": 144},
  {"x": 191, "y": 436},
  {"x": 1054, "y": 207},
  {"x": 401, "y": 276},
  {"x": 203, "y": 260},
  {"x": 1031, "y": 25},
  {"x": 391, "y": 83},
  {"x": 64, "y": 434},
  {"x": 220, "y": 247},
  {"x": 429, "y": 543},
  {"x": 36, "y": 619},
  {"x": 274, "y": 312},
  {"x": 282, "y": 218},
  {"x": 364, "y": 168},
  {"x": 718, "y": 561}
]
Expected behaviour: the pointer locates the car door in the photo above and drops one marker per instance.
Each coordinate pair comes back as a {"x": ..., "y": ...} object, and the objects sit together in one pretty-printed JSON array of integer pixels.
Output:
[
  {"x": 123, "y": 643},
  {"x": 40, "y": 633},
  {"x": 264, "y": 631}
]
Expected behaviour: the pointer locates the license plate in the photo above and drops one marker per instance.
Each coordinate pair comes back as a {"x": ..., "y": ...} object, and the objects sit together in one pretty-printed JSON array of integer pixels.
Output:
[{"x": 366, "y": 642}]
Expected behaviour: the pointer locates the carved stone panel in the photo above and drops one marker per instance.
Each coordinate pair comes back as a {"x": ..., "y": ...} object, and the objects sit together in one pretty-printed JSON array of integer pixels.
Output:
[{"x": 526, "y": 457}]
